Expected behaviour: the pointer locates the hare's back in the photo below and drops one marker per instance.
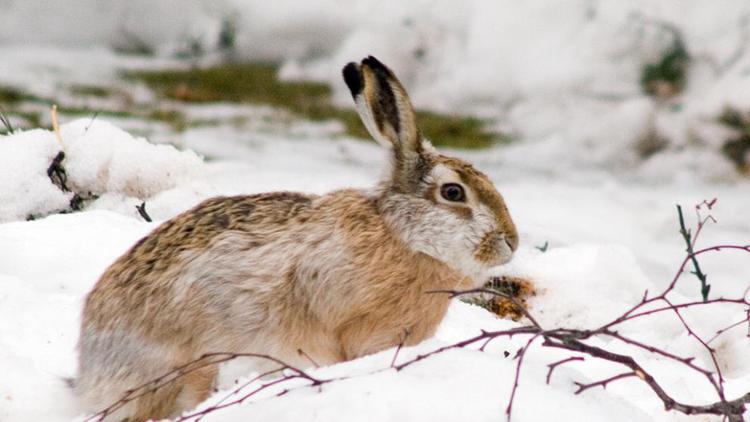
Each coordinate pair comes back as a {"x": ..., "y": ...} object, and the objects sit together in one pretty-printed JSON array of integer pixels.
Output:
[
  {"x": 151, "y": 262},
  {"x": 195, "y": 229}
]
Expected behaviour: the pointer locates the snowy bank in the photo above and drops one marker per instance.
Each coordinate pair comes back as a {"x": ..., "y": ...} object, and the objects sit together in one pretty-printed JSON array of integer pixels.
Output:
[
  {"x": 608, "y": 242},
  {"x": 101, "y": 166}
]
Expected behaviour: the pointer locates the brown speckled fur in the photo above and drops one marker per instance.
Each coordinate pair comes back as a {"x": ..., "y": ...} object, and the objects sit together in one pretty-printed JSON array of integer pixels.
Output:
[{"x": 337, "y": 276}]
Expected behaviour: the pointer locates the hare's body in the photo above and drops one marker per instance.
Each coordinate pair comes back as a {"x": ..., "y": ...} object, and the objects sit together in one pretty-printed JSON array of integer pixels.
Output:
[
  {"x": 271, "y": 273},
  {"x": 297, "y": 277}
]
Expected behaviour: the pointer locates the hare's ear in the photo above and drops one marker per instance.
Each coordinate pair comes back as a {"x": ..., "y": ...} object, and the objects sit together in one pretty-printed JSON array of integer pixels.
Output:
[{"x": 385, "y": 109}]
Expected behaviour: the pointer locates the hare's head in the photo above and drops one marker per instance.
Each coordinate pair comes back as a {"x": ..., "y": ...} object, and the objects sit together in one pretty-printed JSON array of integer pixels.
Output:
[{"x": 439, "y": 205}]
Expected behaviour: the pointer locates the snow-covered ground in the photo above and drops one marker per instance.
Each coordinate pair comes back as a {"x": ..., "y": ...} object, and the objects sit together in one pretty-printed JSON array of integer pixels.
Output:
[
  {"x": 563, "y": 79},
  {"x": 608, "y": 242}
]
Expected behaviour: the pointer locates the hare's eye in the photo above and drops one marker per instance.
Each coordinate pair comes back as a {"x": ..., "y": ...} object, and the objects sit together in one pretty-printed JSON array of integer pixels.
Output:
[{"x": 453, "y": 192}]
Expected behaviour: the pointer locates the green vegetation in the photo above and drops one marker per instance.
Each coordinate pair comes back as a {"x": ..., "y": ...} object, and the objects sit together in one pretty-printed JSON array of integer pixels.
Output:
[
  {"x": 667, "y": 76},
  {"x": 737, "y": 147},
  {"x": 10, "y": 95},
  {"x": 257, "y": 83},
  {"x": 91, "y": 91}
]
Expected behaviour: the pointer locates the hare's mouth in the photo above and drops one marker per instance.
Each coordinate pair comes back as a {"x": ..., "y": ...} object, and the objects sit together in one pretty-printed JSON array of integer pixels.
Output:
[{"x": 494, "y": 249}]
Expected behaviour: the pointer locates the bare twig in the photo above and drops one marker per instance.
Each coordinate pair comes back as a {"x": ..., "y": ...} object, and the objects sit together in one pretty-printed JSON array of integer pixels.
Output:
[
  {"x": 519, "y": 355},
  {"x": 552, "y": 366}
]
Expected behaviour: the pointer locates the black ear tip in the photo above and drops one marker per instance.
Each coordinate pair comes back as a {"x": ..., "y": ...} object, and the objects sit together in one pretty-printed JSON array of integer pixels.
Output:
[
  {"x": 353, "y": 78},
  {"x": 374, "y": 63}
]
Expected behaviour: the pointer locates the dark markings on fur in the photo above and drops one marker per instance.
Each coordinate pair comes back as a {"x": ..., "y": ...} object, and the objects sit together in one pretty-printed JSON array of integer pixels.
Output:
[
  {"x": 386, "y": 109},
  {"x": 353, "y": 79}
]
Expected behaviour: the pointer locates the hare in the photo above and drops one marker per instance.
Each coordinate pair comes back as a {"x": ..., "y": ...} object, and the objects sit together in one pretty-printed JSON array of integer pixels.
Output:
[{"x": 336, "y": 276}]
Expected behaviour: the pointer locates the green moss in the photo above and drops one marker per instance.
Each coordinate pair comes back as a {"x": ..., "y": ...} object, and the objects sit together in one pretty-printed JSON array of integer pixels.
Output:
[
  {"x": 257, "y": 83},
  {"x": 9, "y": 95},
  {"x": 173, "y": 118},
  {"x": 737, "y": 147},
  {"x": 91, "y": 91},
  {"x": 667, "y": 76}
]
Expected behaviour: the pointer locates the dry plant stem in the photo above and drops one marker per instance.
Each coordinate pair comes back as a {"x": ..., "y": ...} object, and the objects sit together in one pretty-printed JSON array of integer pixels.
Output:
[{"x": 55, "y": 124}]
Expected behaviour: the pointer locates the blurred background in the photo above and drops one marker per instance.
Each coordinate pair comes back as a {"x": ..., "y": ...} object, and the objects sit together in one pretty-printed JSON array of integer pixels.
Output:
[{"x": 648, "y": 90}]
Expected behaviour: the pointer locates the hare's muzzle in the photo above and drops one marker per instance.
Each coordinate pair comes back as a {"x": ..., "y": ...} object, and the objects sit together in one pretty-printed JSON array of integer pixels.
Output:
[{"x": 496, "y": 248}]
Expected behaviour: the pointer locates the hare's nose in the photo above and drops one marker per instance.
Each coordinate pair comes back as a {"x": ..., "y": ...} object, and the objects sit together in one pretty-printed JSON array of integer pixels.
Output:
[{"x": 512, "y": 241}]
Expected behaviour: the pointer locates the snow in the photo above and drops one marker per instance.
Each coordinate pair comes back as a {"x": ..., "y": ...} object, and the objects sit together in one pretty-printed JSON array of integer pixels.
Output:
[
  {"x": 562, "y": 79},
  {"x": 100, "y": 160},
  {"x": 25, "y": 188},
  {"x": 601, "y": 258}
]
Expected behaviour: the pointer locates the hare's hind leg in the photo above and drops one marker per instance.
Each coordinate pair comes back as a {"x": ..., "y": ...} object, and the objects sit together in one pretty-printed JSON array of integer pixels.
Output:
[
  {"x": 181, "y": 394},
  {"x": 197, "y": 386},
  {"x": 159, "y": 404}
]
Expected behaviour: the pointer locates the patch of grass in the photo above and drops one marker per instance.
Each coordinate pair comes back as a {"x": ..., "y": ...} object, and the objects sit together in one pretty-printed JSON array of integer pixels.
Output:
[
  {"x": 91, "y": 91},
  {"x": 667, "y": 76},
  {"x": 174, "y": 118},
  {"x": 10, "y": 95},
  {"x": 737, "y": 147},
  {"x": 257, "y": 83}
]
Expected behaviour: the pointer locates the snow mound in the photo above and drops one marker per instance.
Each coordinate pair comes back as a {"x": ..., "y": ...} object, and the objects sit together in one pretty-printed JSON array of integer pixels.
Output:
[
  {"x": 100, "y": 161},
  {"x": 102, "y": 158},
  {"x": 609, "y": 275}
]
